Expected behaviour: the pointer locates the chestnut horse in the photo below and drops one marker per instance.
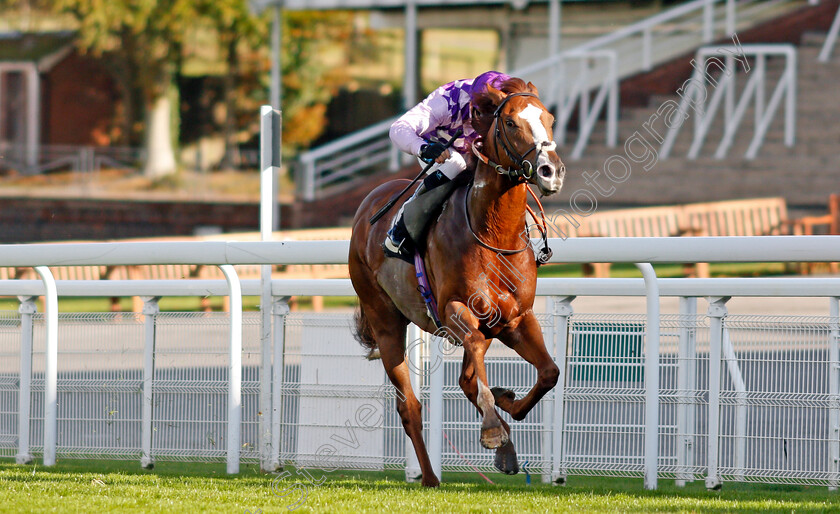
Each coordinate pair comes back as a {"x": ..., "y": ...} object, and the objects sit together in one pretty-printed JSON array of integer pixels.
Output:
[{"x": 480, "y": 266}]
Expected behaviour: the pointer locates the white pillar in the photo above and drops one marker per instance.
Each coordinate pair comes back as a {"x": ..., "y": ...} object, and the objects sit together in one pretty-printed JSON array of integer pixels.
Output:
[
  {"x": 436, "y": 381},
  {"x": 561, "y": 310},
  {"x": 51, "y": 368},
  {"x": 686, "y": 387},
  {"x": 554, "y": 30},
  {"x": 717, "y": 311},
  {"x": 269, "y": 160},
  {"x": 708, "y": 21},
  {"x": 280, "y": 311},
  {"x": 415, "y": 368},
  {"x": 151, "y": 309},
  {"x": 27, "y": 309},
  {"x": 276, "y": 91},
  {"x": 731, "y": 20},
  {"x": 651, "y": 376},
  {"x": 234, "y": 422},
  {"x": 33, "y": 112},
  {"x": 834, "y": 394},
  {"x": 790, "y": 99},
  {"x": 411, "y": 64}
]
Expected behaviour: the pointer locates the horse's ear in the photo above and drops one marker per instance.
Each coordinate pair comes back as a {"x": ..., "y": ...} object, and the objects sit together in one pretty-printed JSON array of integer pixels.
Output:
[
  {"x": 532, "y": 88},
  {"x": 495, "y": 95},
  {"x": 483, "y": 106}
]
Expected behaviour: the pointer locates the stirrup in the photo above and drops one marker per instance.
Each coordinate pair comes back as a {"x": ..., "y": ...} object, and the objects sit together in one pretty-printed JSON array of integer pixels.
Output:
[{"x": 402, "y": 250}]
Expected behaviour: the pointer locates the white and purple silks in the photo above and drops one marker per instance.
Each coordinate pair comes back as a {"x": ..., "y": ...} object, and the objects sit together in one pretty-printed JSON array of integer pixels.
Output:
[{"x": 440, "y": 115}]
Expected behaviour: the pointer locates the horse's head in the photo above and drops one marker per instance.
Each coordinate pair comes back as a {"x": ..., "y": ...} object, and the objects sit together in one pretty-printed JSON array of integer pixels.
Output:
[{"x": 516, "y": 129}]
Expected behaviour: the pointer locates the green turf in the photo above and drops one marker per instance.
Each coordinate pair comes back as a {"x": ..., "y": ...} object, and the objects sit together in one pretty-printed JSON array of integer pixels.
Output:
[{"x": 109, "y": 486}]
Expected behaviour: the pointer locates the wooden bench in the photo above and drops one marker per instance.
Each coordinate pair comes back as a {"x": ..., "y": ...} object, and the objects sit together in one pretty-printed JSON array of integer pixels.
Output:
[{"x": 749, "y": 217}]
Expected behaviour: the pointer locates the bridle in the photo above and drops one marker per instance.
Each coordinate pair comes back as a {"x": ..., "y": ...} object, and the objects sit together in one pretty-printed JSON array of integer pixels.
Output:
[
  {"x": 522, "y": 172},
  {"x": 523, "y": 169}
]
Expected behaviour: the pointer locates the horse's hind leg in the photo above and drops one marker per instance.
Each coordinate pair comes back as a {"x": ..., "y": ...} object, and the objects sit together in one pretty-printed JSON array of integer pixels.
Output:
[{"x": 388, "y": 327}]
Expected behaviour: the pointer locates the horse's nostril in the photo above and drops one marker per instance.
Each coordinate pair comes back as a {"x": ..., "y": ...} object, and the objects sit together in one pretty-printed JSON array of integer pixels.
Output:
[{"x": 545, "y": 171}]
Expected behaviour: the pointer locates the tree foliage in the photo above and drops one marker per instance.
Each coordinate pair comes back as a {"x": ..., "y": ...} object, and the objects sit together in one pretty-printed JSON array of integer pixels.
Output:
[{"x": 143, "y": 43}]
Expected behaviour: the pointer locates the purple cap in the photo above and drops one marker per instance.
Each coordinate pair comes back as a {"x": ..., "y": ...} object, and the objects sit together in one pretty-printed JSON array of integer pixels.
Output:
[{"x": 494, "y": 78}]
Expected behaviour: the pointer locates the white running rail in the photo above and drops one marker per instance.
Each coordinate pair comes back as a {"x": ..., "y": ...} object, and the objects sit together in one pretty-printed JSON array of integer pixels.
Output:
[{"x": 225, "y": 254}]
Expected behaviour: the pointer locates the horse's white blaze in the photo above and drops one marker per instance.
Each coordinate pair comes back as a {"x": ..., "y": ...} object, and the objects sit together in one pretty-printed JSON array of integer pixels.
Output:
[{"x": 531, "y": 115}]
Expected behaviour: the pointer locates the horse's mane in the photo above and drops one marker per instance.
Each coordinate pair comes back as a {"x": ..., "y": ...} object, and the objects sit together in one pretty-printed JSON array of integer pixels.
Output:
[{"x": 483, "y": 104}]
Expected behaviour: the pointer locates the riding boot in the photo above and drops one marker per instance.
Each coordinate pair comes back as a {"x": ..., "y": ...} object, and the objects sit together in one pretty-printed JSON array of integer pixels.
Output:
[{"x": 401, "y": 238}]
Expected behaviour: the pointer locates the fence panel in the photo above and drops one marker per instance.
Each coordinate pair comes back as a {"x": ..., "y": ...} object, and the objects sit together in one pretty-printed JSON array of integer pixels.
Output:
[
  {"x": 775, "y": 400},
  {"x": 337, "y": 411},
  {"x": 9, "y": 381},
  {"x": 191, "y": 384}
]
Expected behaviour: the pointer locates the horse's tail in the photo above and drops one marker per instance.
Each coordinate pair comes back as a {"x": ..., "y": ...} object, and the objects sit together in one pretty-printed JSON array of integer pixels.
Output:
[{"x": 364, "y": 334}]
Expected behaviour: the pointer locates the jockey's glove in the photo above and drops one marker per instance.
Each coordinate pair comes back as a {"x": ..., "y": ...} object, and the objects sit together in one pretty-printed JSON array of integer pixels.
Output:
[{"x": 431, "y": 151}]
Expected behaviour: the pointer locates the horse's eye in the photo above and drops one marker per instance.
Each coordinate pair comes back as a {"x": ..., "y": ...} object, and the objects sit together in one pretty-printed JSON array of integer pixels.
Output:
[{"x": 509, "y": 123}]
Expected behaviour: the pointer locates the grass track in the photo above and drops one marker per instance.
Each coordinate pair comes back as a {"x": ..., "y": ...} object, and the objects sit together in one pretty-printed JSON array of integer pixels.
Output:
[{"x": 108, "y": 486}]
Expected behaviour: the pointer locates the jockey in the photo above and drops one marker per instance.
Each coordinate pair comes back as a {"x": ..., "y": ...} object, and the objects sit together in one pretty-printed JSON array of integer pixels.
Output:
[{"x": 423, "y": 131}]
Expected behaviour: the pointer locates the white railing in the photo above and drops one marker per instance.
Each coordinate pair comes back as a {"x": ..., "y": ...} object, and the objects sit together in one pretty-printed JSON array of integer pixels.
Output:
[
  {"x": 637, "y": 48},
  {"x": 226, "y": 254},
  {"x": 830, "y": 39},
  {"x": 80, "y": 159},
  {"x": 594, "y": 70},
  {"x": 696, "y": 101}
]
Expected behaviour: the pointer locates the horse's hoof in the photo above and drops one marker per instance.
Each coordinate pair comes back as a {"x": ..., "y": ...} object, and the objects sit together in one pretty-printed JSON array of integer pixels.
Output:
[
  {"x": 432, "y": 481},
  {"x": 493, "y": 435},
  {"x": 503, "y": 397},
  {"x": 506, "y": 459}
]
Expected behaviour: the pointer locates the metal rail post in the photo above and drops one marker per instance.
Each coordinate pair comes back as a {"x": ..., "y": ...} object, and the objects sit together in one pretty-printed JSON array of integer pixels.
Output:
[
  {"x": 270, "y": 130},
  {"x": 834, "y": 394},
  {"x": 280, "y": 310},
  {"x": 716, "y": 312},
  {"x": 686, "y": 387},
  {"x": 234, "y": 424},
  {"x": 151, "y": 309},
  {"x": 51, "y": 368},
  {"x": 741, "y": 411},
  {"x": 651, "y": 375},
  {"x": 414, "y": 345},
  {"x": 561, "y": 309},
  {"x": 708, "y": 21},
  {"x": 26, "y": 309},
  {"x": 436, "y": 380},
  {"x": 830, "y": 39}
]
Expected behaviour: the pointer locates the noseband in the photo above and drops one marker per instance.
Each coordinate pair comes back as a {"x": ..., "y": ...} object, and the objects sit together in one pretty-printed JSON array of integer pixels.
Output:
[{"x": 523, "y": 168}]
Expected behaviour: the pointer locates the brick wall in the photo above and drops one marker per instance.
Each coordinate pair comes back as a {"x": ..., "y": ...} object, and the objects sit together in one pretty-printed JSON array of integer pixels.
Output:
[{"x": 47, "y": 219}]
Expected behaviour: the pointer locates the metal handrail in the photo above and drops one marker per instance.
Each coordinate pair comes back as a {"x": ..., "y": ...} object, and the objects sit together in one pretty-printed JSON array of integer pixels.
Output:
[
  {"x": 704, "y": 112},
  {"x": 830, "y": 39},
  {"x": 644, "y": 28}
]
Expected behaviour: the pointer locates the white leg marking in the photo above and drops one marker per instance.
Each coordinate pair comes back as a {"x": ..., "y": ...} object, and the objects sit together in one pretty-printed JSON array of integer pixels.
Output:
[{"x": 485, "y": 398}]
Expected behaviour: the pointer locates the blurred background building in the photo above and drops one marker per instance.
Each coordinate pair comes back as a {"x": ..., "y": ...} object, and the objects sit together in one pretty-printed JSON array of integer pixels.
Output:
[{"x": 118, "y": 124}]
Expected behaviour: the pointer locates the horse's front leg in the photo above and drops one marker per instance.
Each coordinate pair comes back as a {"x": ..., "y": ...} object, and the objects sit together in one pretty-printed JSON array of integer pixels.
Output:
[
  {"x": 527, "y": 340},
  {"x": 473, "y": 381}
]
